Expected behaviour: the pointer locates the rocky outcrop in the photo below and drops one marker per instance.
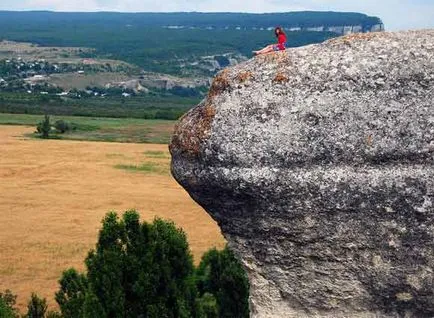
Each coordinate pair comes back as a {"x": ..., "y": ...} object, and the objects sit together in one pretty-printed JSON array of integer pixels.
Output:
[
  {"x": 317, "y": 163},
  {"x": 344, "y": 29},
  {"x": 131, "y": 84},
  {"x": 351, "y": 29},
  {"x": 167, "y": 82}
]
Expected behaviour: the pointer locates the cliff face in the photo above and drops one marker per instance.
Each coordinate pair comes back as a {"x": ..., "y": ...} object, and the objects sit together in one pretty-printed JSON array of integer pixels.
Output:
[
  {"x": 344, "y": 29},
  {"x": 317, "y": 163}
]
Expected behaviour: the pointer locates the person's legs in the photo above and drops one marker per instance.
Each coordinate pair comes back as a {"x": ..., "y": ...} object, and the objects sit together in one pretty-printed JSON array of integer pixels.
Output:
[{"x": 267, "y": 49}]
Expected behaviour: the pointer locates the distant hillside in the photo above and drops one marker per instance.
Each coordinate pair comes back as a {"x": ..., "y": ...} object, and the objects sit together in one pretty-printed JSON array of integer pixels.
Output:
[
  {"x": 197, "y": 19},
  {"x": 176, "y": 43},
  {"x": 78, "y": 65}
]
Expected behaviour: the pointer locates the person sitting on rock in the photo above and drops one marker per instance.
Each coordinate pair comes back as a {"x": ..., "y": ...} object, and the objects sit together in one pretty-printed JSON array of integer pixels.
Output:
[{"x": 280, "y": 46}]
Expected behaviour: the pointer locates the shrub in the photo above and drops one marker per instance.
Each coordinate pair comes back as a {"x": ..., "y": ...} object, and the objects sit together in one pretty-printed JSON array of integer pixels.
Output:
[
  {"x": 44, "y": 127},
  {"x": 206, "y": 306},
  {"x": 62, "y": 126},
  {"x": 37, "y": 307},
  {"x": 146, "y": 270},
  {"x": 135, "y": 270},
  {"x": 72, "y": 293},
  {"x": 6, "y": 311},
  {"x": 185, "y": 91},
  {"x": 7, "y": 305},
  {"x": 221, "y": 274},
  {"x": 169, "y": 114}
]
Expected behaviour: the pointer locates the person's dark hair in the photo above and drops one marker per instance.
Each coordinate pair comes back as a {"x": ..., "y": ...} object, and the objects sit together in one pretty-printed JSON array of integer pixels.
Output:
[{"x": 280, "y": 31}]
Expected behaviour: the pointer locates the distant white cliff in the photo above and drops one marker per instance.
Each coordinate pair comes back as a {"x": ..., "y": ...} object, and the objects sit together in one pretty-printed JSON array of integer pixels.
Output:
[{"x": 338, "y": 29}]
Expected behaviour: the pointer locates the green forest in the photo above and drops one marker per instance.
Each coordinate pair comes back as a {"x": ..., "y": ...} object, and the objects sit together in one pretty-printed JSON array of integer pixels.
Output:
[{"x": 145, "y": 107}]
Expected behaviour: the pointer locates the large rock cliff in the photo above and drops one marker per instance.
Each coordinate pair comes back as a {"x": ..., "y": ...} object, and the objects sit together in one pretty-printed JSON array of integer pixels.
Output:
[
  {"x": 317, "y": 163},
  {"x": 344, "y": 29}
]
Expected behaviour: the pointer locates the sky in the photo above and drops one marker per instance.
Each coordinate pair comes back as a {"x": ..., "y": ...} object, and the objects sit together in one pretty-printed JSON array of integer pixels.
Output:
[{"x": 396, "y": 14}]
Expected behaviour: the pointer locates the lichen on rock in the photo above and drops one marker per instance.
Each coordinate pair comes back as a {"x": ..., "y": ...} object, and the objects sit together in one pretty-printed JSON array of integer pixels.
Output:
[{"x": 317, "y": 163}]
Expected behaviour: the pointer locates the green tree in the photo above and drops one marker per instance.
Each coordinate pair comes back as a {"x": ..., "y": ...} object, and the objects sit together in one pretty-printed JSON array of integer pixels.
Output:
[
  {"x": 44, "y": 127},
  {"x": 206, "y": 306},
  {"x": 136, "y": 270},
  {"x": 7, "y": 305},
  {"x": 37, "y": 307},
  {"x": 146, "y": 270},
  {"x": 92, "y": 307},
  {"x": 222, "y": 275},
  {"x": 72, "y": 293},
  {"x": 6, "y": 311}
]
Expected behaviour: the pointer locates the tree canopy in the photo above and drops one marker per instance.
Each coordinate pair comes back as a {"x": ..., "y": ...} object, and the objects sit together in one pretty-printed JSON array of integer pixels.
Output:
[{"x": 146, "y": 270}]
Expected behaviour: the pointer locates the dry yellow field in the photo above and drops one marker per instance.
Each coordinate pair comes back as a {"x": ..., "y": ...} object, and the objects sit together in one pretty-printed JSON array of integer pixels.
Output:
[{"x": 53, "y": 195}]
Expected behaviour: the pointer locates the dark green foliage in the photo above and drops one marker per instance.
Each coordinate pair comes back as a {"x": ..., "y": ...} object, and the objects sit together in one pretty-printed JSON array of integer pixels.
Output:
[
  {"x": 185, "y": 91},
  {"x": 6, "y": 311},
  {"x": 168, "y": 114},
  {"x": 105, "y": 267},
  {"x": 8, "y": 298},
  {"x": 92, "y": 306},
  {"x": 62, "y": 126},
  {"x": 147, "y": 107},
  {"x": 53, "y": 314},
  {"x": 188, "y": 19},
  {"x": 221, "y": 275},
  {"x": 7, "y": 305},
  {"x": 135, "y": 270},
  {"x": 44, "y": 127},
  {"x": 146, "y": 270},
  {"x": 72, "y": 293},
  {"x": 141, "y": 269},
  {"x": 206, "y": 306},
  {"x": 37, "y": 307}
]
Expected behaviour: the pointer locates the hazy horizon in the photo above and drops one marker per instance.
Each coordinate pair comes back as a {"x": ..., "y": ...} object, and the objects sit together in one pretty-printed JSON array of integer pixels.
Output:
[{"x": 396, "y": 15}]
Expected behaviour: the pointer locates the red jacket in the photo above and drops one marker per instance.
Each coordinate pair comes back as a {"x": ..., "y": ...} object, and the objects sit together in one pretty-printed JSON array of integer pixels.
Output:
[{"x": 281, "y": 39}]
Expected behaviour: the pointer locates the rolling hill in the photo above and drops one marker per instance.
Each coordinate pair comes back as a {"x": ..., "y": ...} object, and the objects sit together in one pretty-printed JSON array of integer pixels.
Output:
[{"x": 171, "y": 42}]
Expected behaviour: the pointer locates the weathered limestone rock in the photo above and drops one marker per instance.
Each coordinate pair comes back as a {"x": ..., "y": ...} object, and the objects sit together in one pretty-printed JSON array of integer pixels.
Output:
[{"x": 317, "y": 163}]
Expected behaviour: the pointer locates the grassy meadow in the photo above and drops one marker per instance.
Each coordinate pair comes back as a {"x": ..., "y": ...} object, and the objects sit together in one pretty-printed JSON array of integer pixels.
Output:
[
  {"x": 101, "y": 129},
  {"x": 142, "y": 107}
]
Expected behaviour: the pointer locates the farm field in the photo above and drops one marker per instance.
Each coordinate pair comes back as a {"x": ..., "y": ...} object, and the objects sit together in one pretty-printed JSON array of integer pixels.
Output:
[{"x": 54, "y": 193}]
